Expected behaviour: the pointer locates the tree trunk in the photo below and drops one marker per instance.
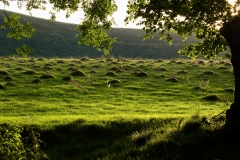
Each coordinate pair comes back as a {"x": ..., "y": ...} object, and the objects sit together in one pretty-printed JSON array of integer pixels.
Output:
[{"x": 231, "y": 32}]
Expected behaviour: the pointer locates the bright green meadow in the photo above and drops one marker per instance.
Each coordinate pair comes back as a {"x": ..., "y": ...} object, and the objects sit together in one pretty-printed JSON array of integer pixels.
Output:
[{"x": 120, "y": 108}]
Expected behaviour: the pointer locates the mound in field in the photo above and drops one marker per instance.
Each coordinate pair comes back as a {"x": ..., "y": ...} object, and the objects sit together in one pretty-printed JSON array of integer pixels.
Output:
[
  {"x": 223, "y": 68},
  {"x": 47, "y": 76},
  {"x": 160, "y": 60},
  {"x": 212, "y": 98},
  {"x": 227, "y": 64},
  {"x": 173, "y": 79},
  {"x": 47, "y": 68},
  {"x": 71, "y": 65},
  {"x": 31, "y": 60},
  {"x": 35, "y": 66},
  {"x": 36, "y": 81},
  {"x": 109, "y": 60},
  {"x": 110, "y": 74},
  {"x": 114, "y": 62},
  {"x": 173, "y": 61},
  {"x": 40, "y": 59},
  {"x": 114, "y": 81},
  {"x": 230, "y": 90},
  {"x": 29, "y": 72},
  {"x": 78, "y": 73},
  {"x": 67, "y": 78},
  {"x": 115, "y": 69},
  {"x": 84, "y": 59},
  {"x": 92, "y": 71},
  {"x": 201, "y": 62},
  {"x": 96, "y": 66},
  {"x": 8, "y": 78},
  {"x": 140, "y": 74},
  {"x": 48, "y": 64},
  {"x": 182, "y": 72},
  {"x": 3, "y": 73},
  {"x": 180, "y": 62},
  {"x": 208, "y": 73},
  {"x": 22, "y": 61},
  {"x": 72, "y": 69},
  {"x": 2, "y": 86},
  {"x": 160, "y": 69},
  {"x": 19, "y": 69},
  {"x": 59, "y": 69},
  {"x": 60, "y": 61}
]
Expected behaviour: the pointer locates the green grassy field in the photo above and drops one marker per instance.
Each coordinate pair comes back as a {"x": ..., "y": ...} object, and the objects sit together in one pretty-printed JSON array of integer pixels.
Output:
[{"x": 120, "y": 109}]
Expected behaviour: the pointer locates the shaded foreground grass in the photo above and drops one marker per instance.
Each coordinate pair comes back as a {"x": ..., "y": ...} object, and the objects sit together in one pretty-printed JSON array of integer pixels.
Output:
[{"x": 195, "y": 138}]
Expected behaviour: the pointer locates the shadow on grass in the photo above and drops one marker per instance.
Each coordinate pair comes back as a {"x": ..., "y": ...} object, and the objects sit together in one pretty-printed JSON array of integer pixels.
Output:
[{"x": 167, "y": 139}]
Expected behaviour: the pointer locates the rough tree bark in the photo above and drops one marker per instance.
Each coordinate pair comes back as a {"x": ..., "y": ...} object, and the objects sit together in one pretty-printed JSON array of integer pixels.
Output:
[{"x": 231, "y": 32}]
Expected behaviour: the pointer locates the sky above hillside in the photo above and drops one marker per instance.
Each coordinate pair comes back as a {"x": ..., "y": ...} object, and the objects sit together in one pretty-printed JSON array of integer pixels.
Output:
[{"x": 76, "y": 17}]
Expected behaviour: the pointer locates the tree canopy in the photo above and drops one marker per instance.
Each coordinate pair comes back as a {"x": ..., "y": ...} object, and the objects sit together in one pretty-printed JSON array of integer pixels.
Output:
[{"x": 202, "y": 18}]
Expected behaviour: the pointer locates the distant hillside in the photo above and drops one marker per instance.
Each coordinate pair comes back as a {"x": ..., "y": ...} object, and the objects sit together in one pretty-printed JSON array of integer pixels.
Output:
[{"x": 57, "y": 39}]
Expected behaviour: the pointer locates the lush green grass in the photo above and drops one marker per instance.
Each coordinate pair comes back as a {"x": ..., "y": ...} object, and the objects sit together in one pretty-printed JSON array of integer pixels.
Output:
[{"x": 138, "y": 118}]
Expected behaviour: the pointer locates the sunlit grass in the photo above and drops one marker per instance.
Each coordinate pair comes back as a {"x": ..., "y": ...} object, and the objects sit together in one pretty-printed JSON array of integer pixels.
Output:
[{"x": 141, "y": 117}]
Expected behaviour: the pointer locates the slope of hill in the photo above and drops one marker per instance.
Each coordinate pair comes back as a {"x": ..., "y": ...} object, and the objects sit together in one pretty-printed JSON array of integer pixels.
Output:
[{"x": 57, "y": 39}]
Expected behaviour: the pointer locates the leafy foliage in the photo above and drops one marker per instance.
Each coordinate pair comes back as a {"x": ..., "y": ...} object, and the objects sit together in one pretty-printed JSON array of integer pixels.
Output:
[
  {"x": 18, "y": 31},
  {"x": 186, "y": 17},
  {"x": 13, "y": 147},
  {"x": 93, "y": 28}
]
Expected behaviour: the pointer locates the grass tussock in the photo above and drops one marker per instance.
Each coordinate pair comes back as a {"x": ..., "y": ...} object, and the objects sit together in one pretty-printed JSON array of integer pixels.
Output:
[
  {"x": 67, "y": 78},
  {"x": 208, "y": 73},
  {"x": 36, "y": 81},
  {"x": 3, "y": 73},
  {"x": 114, "y": 81},
  {"x": 160, "y": 69},
  {"x": 8, "y": 78},
  {"x": 182, "y": 72},
  {"x": 19, "y": 69},
  {"x": 2, "y": 86},
  {"x": 230, "y": 90},
  {"x": 72, "y": 69},
  {"x": 61, "y": 61},
  {"x": 212, "y": 98},
  {"x": 201, "y": 62},
  {"x": 29, "y": 72},
  {"x": 47, "y": 76},
  {"x": 110, "y": 74},
  {"x": 84, "y": 59},
  {"x": 78, "y": 73},
  {"x": 71, "y": 65},
  {"x": 93, "y": 71},
  {"x": 47, "y": 68},
  {"x": 173, "y": 79},
  {"x": 116, "y": 69}
]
